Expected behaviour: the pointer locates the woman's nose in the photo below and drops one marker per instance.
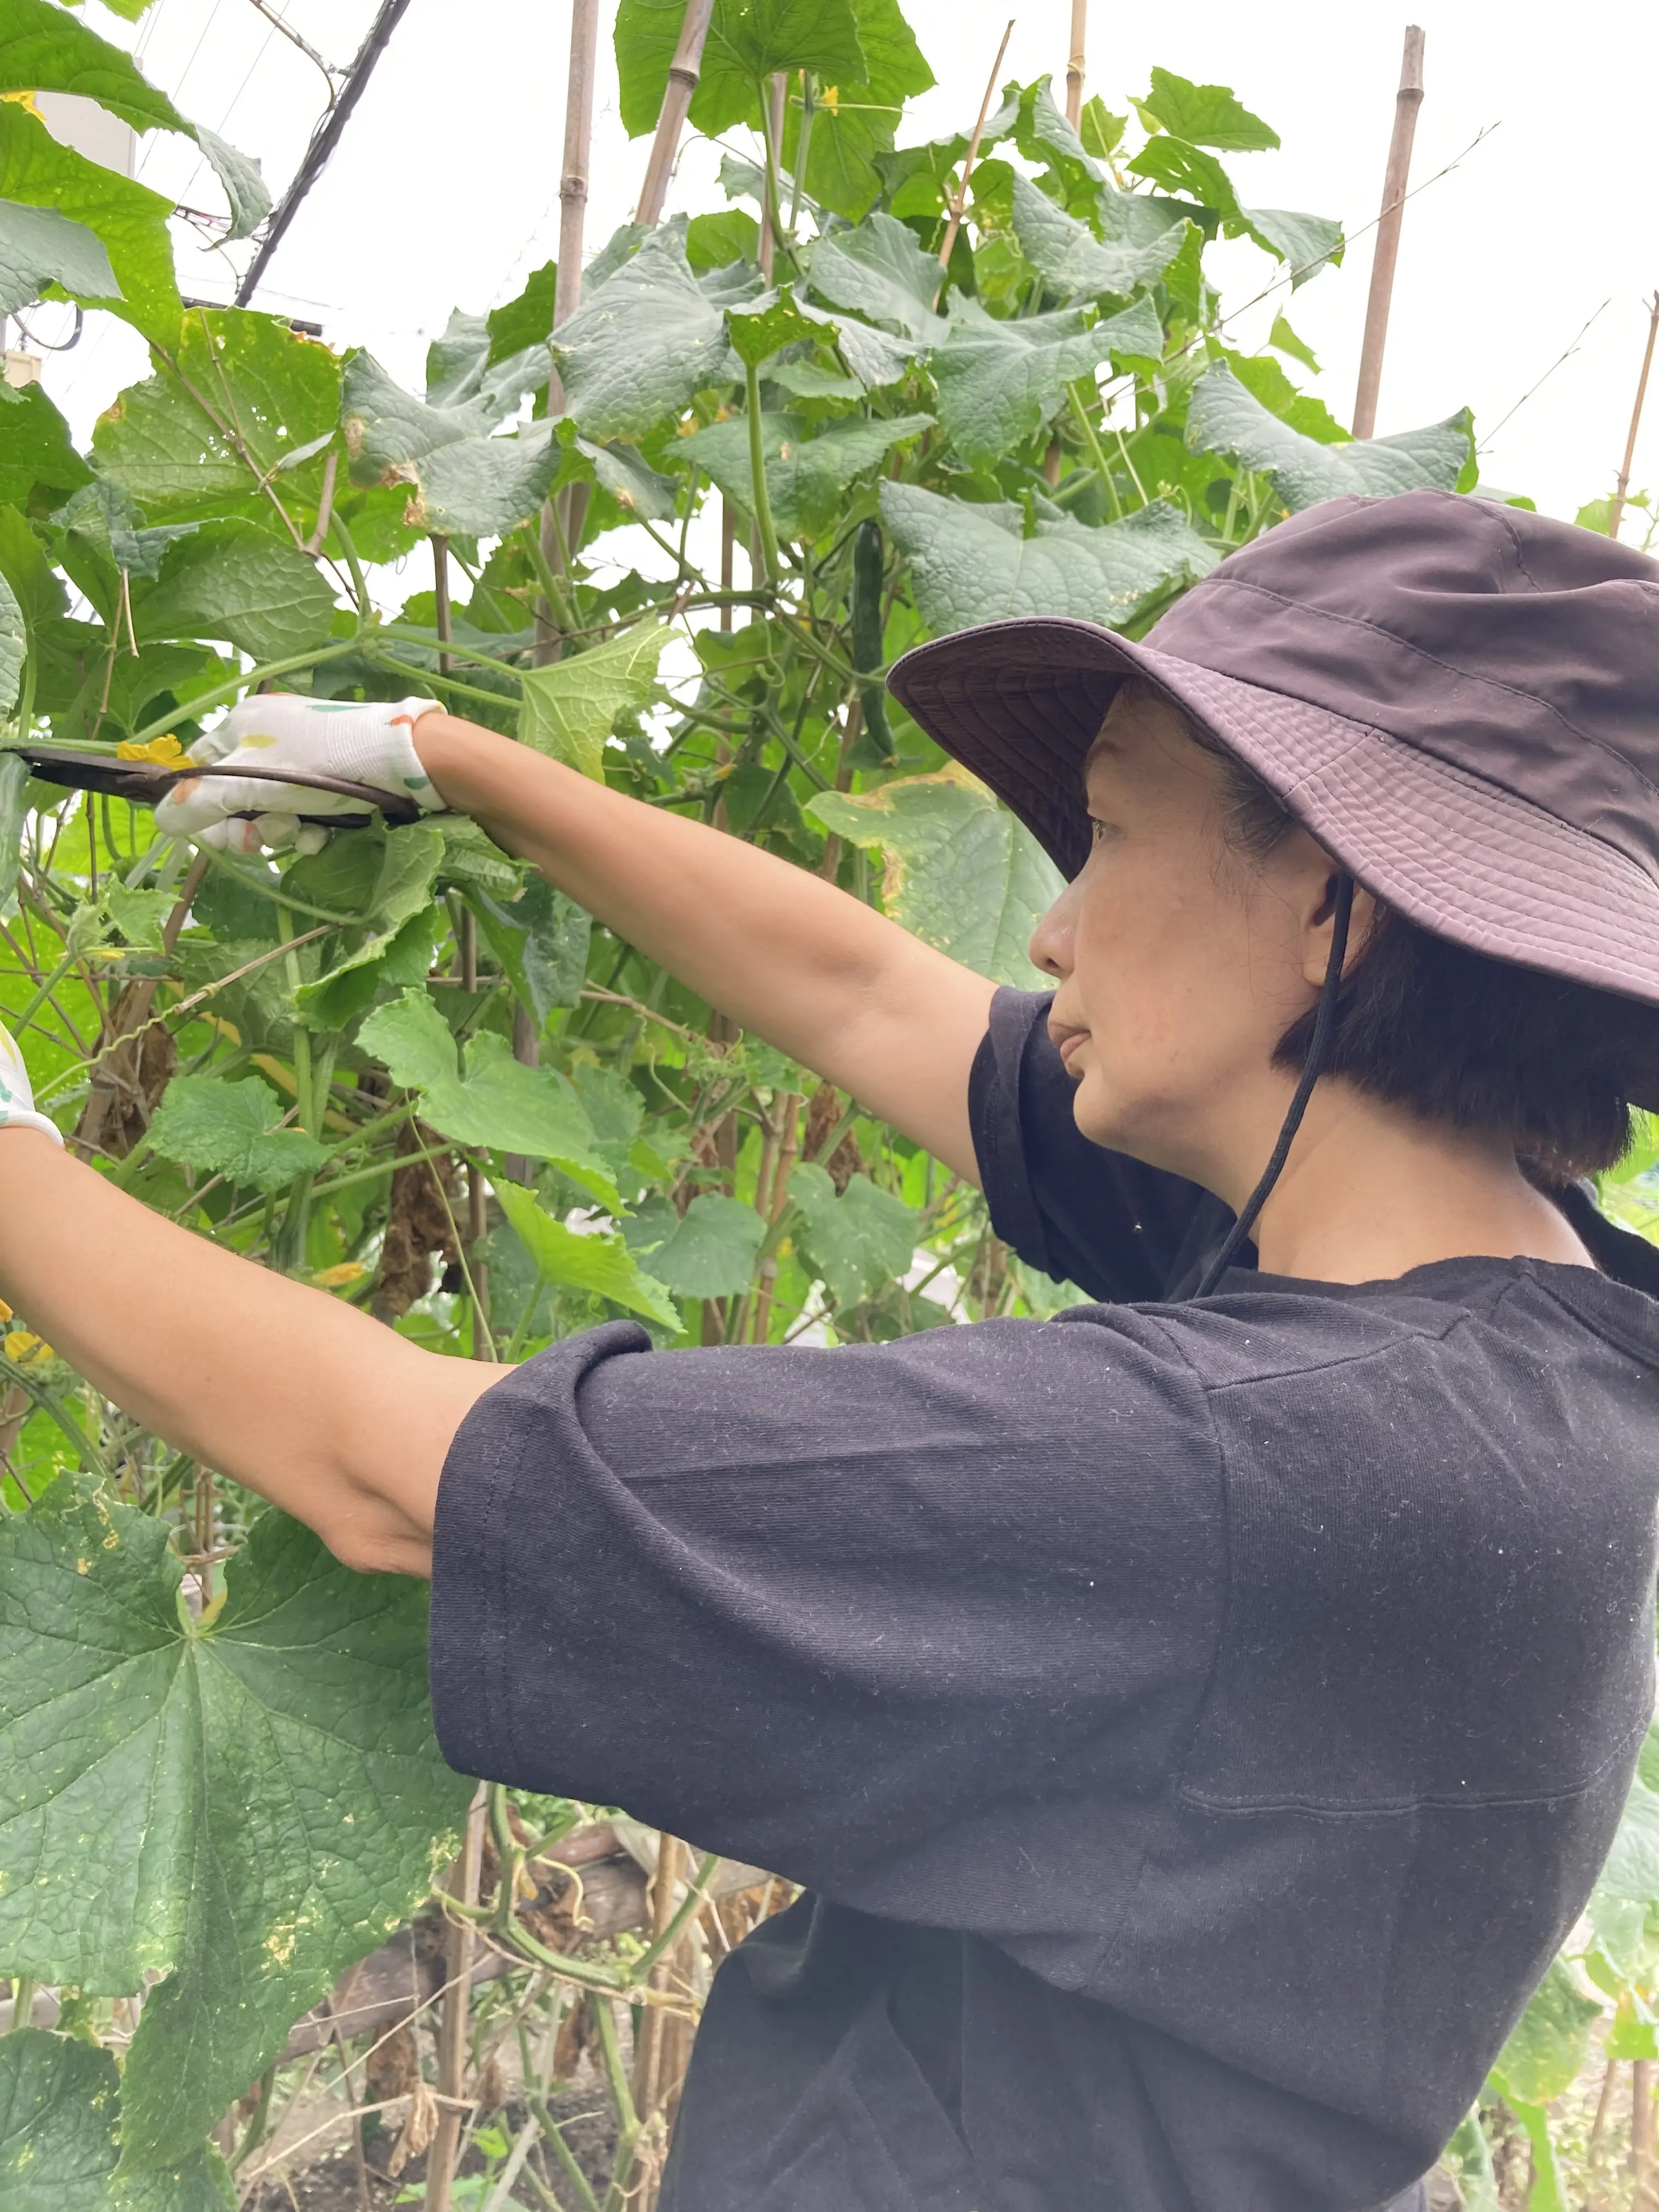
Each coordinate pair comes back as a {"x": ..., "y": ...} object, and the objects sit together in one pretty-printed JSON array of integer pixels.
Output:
[{"x": 1053, "y": 939}]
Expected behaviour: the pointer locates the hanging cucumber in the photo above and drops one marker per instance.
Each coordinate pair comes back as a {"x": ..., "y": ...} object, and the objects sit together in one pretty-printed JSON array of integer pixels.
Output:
[
  {"x": 13, "y": 781},
  {"x": 874, "y": 747}
]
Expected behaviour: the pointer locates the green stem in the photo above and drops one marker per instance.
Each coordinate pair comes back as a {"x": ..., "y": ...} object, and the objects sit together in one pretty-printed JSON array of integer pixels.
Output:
[
  {"x": 249, "y": 682},
  {"x": 264, "y": 888},
  {"x": 430, "y": 676},
  {"x": 360, "y": 589},
  {"x": 21, "y": 1021},
  {"x": 22, "y": 2000},
  {"x": 405, "y": 633},
  {"x": 769, "y": 536},
  {"x": 552, "y": 590},
  {"x": 256, "y": 2126},
  {"x": 1080, "y": 415},
  {"x": 561, "y": 2151},
  {"x": 639, "y": 1970}
]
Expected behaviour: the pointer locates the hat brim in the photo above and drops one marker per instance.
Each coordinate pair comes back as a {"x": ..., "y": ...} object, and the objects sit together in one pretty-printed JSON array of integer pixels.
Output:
[{"x": 1021, "y": 702}]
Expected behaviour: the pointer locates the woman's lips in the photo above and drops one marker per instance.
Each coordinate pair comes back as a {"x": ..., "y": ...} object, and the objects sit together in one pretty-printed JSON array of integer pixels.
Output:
[{"x": 1068, "y": 1041}]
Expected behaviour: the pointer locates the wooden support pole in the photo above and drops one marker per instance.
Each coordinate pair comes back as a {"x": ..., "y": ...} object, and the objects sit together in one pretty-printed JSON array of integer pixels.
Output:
[
  {"x": 1074, "y": 63},
  {"x": 1616, "y": 511},
  {"x": 1386, "y": 252},
  {"x": 451, "y": 2035},
  {"x": 683, "y": 74},
  {"x": 578, "y": 140},
  {"x": 568, "y": 286}
]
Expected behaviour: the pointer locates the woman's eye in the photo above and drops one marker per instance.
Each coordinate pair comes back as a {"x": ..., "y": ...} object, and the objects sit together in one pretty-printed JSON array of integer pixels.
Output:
[{"x": 1096, "y": 830}]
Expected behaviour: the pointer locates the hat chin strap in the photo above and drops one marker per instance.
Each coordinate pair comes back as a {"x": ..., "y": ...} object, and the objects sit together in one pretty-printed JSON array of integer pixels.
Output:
[{"x": 1319, "y": 1047}]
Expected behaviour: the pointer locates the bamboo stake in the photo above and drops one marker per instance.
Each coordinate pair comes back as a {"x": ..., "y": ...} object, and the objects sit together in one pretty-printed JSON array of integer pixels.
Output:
[
  {"x": 959, "y": 199},
  {"x": 1386, "y": 251},
  {"x": 1075, "y": 62},
  {"x": 568, "y": 285},
  {"x": 1616, "y": 511},
  {"x": 683, "y": 72},
  {"x": 451, "y": 2036}
]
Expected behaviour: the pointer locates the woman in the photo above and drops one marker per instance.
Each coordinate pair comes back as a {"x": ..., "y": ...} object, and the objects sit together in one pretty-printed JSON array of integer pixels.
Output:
[{"x": 1195, "y": 1721}]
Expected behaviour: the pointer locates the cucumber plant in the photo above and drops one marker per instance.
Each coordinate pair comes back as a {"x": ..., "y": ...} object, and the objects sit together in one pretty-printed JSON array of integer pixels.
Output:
[{"x": 405, "y": 1070}]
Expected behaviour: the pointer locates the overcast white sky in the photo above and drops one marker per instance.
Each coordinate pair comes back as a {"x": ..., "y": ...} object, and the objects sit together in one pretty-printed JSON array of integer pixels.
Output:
[{"x": 445, "y": 191}]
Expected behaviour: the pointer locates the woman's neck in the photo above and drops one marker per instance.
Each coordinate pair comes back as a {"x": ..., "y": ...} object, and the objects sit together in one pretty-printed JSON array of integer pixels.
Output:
[{"x": 1371, "y": 1190}]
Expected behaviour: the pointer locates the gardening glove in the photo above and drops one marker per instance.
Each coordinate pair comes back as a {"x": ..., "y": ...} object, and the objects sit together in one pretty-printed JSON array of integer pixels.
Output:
[
  {"x": 371, "y": 744},
  {"x": 17, "y": 1093}
]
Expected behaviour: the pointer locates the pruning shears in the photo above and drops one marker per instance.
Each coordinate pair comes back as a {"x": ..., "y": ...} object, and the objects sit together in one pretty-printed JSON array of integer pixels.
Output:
[{"x": 145, "y": 782}]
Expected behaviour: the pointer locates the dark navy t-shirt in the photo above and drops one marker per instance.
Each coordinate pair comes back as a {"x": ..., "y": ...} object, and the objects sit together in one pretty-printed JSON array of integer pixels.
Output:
[{"x": 1195, "y": 1725}]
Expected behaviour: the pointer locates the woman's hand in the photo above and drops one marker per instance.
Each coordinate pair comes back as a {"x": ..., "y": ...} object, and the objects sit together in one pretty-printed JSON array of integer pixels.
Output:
[{"x": 371, "y": 743}]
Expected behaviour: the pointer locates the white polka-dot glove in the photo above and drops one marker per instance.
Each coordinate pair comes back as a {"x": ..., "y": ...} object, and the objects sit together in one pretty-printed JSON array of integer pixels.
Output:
[
  {"x": 371, "y": 743},
  {"x": 17, "y": 1108}
]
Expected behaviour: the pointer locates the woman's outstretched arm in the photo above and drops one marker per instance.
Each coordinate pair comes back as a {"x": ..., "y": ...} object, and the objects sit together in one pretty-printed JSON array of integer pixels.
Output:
[
  {"x": 815, "y": 972},
  {"x": 331, "y": 1415}
]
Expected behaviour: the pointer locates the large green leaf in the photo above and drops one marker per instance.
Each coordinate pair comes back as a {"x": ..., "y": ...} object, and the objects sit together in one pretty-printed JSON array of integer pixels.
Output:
[
  {"x": 575, "y": 1260},
  {"x": 24, "y": 565},
  {"x": 971, "y": 564},
  {"x": 387, "y": 429},
  {"x": 1000, "y": 381},
  {"x": 526, "y": 319},
  {"x": 880, "y": 269},
  {"x": 1306, "y": 243},
  {"x": 570, "y": 707},
  {"x": 129, "y": 219},
  {"x": 855, "y": 1242},
  {"x": 242, "y": 399},
  {"x": 750, "y": 40},
  {"x": 639, "y": 347},
  {"x": 541, "y": 941},
  {"x": 1548, "y": 2046},
  {"x": 1207, "y": 114},
  {"x": 57, "y": 2138},
  {"x": 265, "y": 1792},
  {"x": 463, "y": 481},
  {"x": 397, "y": 951},
  {"x": 231, "y": 579},
  {"x": 229, "y": 1129},
  {"x": 707, "y": 1252},
  {"x": 58, "y": 2101},
  {"x": 1074, "y": 260},
  {"x": 38, "y": 247},
  {"x": 807, "y": 472},
  {"x": 1222, "y": 417},
  {"x": 962, "y": 873},
  {"x": 14, "y": 644},
  {"x": 35, "y": 449},
  {"x": 43, "y": 48},
  {"x": 496, "y": 1103},
  {"x": 854, "y": 123}
]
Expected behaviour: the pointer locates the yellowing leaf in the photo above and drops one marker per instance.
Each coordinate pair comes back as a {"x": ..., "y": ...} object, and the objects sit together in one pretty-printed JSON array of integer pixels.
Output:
[{"x": 334, "y": 1279}]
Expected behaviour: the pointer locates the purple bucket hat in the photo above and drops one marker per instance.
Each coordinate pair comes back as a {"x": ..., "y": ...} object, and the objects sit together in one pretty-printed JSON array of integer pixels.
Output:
[{"x": 1459, "y": 700}]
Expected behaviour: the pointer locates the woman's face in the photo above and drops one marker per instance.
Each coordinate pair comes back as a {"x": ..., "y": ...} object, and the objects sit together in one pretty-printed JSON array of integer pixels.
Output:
[{"x": 1180, "y": 963}]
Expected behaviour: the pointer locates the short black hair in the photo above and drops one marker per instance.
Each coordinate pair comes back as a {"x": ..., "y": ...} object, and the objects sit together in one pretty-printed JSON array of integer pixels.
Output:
[{"x": 1460, "y": 1037}]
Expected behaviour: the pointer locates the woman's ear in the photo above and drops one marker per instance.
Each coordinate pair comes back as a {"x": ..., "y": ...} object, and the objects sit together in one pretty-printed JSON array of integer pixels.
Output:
[{"x": 1317, "y": 930}]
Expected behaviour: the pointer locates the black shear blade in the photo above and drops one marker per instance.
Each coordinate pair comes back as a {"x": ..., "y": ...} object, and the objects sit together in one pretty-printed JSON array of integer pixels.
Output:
[{"x": 145, "y": 783}]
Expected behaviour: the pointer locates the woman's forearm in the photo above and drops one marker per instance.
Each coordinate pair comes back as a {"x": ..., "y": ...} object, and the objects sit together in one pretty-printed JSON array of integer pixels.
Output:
[
  {"x": 788, "y": 957},
  {"x": 323, "y": 1411}
]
